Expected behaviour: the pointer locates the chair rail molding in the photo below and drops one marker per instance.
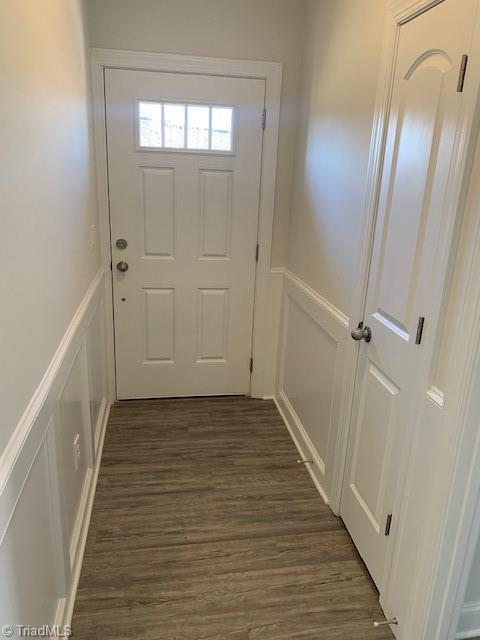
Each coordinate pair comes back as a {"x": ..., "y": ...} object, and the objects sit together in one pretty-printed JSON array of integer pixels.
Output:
[
  {"x": 322, "y": 302},
  {"x": 267, "y": 285}
]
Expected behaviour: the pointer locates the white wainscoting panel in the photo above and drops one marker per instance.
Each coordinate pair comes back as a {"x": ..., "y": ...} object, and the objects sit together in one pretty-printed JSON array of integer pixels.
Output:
[
  {"x": 29, "y": 587},
  {"x": 311, "y": 376},
  {"x": 48, "y": 474}
]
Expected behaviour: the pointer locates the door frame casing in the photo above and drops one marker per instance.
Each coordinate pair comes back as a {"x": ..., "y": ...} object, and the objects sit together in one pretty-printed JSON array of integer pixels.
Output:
[
  {"x": 440, "y": 576},
  {"x": 266, "y": 312}
]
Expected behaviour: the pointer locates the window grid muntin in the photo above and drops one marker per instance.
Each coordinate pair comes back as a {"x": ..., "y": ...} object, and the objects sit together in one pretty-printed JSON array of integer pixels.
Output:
[
  {"x": 190, "y": 113},
  {"x": 185, "y": 105}
]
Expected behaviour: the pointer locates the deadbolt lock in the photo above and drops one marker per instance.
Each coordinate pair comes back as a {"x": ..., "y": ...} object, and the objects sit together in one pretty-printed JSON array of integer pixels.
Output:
[{"x": 121, "y": 243}]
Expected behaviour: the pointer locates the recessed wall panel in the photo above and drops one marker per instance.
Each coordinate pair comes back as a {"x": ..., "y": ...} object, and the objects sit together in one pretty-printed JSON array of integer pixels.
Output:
[
  {"x": 159, "y": 325},
  {"x": 212, "y": 324},
  {"x": 29, "y": 588},
  {"x": 309, "y": 374},
  {"x": 215, "y": 213},
  {"x": 73, "y": 440},
  {"x": 158, "y": 195}
]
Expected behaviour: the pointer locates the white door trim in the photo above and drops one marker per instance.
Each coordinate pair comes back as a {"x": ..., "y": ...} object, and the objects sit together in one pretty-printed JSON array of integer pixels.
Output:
[
  {"x": 267, "y": 289},
  {"x": 437, "y": 613}
]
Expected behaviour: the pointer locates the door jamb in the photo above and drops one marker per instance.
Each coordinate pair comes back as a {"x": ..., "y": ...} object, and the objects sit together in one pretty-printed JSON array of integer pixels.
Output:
[{"x": 267, "y": 285}]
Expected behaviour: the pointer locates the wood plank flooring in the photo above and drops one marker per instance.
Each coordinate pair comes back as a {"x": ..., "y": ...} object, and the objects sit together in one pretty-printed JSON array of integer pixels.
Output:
[{"x": 204, "y": 527}]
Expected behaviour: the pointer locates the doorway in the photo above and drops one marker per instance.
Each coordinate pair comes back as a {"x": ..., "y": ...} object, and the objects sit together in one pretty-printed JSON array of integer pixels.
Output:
[{"x": 201, "y": 287}]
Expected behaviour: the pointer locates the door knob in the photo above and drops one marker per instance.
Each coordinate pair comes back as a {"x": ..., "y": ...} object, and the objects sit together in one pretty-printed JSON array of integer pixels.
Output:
[
  {"x": 362, "y": 333},
  {"x": 122, "y": 266}
]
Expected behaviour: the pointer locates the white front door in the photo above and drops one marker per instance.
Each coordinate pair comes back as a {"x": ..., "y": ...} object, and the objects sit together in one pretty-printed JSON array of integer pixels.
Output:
[
  {"x": 406, "y": 279},
  {"x": 184, "y": 160}
]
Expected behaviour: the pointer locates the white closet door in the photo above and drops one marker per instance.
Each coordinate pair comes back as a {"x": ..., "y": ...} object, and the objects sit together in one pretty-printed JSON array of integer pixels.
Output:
[{"x": 404, "y": 278}]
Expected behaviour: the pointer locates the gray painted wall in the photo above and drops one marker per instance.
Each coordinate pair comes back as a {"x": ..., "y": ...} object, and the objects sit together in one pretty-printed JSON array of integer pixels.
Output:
[
  {"x": 248, "y": 29},
  {"x": 343, "y": 45},
  {"x": 47, "y": 184}
]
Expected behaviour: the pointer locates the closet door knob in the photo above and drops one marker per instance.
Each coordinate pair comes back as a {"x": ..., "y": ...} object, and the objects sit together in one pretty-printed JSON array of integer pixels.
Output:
[
  {"x": 362, "y": 333},
  {"x": 122, "y": 266}
]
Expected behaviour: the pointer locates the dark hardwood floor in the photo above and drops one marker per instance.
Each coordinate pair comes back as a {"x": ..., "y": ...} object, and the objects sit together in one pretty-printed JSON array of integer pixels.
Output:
[{"x": 205, "y": 527}]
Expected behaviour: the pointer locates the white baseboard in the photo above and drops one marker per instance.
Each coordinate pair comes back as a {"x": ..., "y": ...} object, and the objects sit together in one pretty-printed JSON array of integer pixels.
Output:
[
  {"x": 302, "y": 441},
  {"x": 65, "y": 609},
  {"x": 469, "y": 625},
  {"x": 100, "y": 426}
]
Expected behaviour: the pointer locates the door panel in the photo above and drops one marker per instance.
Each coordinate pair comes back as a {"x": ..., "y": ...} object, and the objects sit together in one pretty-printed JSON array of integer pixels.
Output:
[
  {"x": 215, "y": 214},
  {"x": 213, "y": 320},
  {"x": 158, "y": 205},
  {"x": 406, "y": 277},
  {"x": 376, "y": 416},
  {"x": 159, "y": 325},
  {"x": 419, "y": 125},
  {"x": 364, "y": 502},
  {"x": 184, "y": 160}
]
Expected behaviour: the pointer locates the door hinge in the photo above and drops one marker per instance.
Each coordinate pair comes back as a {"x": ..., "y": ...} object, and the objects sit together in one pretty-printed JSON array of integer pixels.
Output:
[
  {"x": 418, "y": 337},
  {"x": 251, "y": 365},
  {"x": 264, "y": 119},
  {"x": 461, "y": 75},
  {"x": 257, "y": 252},
  {"x": 388, "y": 524}
]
